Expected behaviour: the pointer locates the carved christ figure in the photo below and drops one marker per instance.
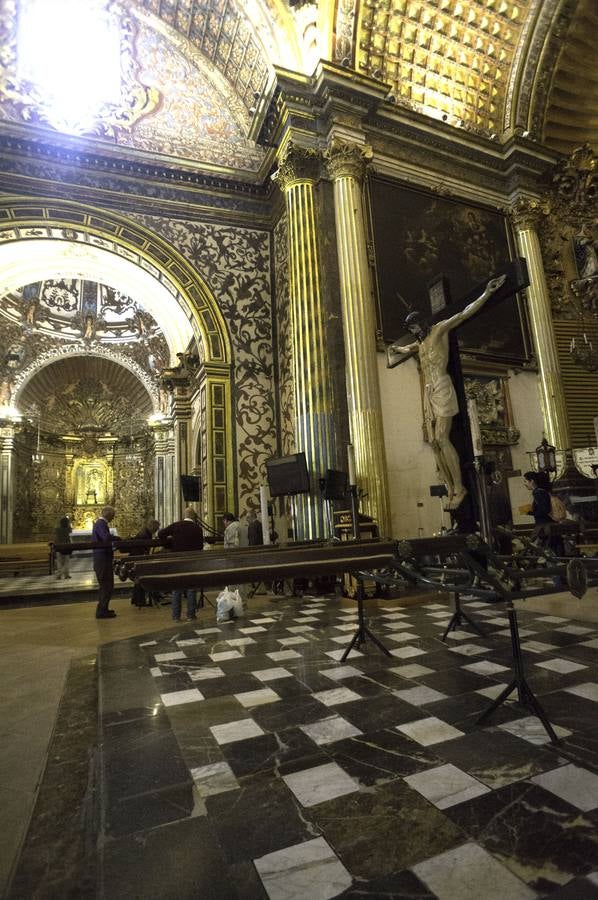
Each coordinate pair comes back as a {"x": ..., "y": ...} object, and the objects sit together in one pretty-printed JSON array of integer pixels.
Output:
[{"x": 440, "y": 398}]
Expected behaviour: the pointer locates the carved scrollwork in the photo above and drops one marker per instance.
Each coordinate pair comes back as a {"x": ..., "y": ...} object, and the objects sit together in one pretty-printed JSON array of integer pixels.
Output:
[
  {"x": 528, "y": 212},
  {"x": 347, "y": 160},
  {"x": 575, "y": 180},
  {"x": 297, "y": 164}
]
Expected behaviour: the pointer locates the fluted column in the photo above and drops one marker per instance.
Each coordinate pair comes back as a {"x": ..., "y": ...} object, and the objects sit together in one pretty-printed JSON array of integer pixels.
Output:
[
  {"x": 525, "y": 216},
  {"x": 7, "y": 482},
  {"x": 296, "y": 176},
  {"x": 164, "y": 506},
  {"x": 346, "y": 164}
]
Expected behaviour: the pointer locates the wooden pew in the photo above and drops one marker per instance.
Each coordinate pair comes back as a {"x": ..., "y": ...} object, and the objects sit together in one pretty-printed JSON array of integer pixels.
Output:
[{"x": 19, "y": 560}]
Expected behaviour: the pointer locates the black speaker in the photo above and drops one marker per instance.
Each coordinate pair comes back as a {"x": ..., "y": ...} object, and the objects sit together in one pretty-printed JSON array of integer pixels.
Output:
[
  {"x": 336, "y": 485},
  {"x": 287, "y": 475},
  {"x": 190, "y": 485}
]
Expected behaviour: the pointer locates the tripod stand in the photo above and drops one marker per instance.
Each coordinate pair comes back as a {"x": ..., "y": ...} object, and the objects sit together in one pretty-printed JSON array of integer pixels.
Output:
[
  {"x": 363, "y": 632},
  {"x": 458, "y": 619}
]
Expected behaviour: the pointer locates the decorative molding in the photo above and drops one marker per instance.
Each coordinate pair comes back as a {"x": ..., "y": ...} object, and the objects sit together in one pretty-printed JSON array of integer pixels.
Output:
[{"x": 297, "y": 164}]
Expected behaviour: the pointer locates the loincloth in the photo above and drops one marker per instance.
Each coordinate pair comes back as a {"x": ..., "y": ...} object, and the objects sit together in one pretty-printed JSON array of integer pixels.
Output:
[{"x": 440, "y": 399}]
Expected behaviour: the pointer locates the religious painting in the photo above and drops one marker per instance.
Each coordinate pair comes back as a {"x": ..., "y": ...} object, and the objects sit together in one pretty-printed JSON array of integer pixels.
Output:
[{"x": 431, "y": 249}]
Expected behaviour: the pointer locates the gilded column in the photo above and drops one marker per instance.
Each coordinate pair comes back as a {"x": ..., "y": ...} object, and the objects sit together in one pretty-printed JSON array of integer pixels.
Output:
[
  {"x": 296, "y": 176},
  {"x": 525, "y": 215},
  {"x": 346, "y": 164},
  {"x": 163, "y": 458},
  {"x": 7, "y": 482}
]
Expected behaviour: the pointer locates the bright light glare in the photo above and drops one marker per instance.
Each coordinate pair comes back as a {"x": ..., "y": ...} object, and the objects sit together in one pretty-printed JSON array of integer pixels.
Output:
[{"x": 70, "y": 49}]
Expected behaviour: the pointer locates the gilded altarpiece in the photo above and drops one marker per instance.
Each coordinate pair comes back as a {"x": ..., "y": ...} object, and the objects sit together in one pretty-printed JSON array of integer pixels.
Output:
[
  {"x": 566, "y": 219},
  {"x": 235, "y": 264}
]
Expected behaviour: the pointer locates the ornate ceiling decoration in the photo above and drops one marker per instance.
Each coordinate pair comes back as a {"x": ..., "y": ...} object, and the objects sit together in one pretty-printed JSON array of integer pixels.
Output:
[
  {"x": 571, "y": 114},
  {"x": 450, "y": 59},
  {"x": 86, "y": 394}
]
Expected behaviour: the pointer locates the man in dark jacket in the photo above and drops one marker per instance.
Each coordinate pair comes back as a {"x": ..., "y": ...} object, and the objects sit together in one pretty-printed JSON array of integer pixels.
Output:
[
  {"x": 185, "y": 535},
  {"x": 147, "y": 533},
  {"x": 102, "y": 562}
]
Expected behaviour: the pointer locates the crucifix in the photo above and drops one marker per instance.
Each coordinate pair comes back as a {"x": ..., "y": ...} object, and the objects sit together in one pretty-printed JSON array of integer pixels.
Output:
[{"x": 436, "y": 347}]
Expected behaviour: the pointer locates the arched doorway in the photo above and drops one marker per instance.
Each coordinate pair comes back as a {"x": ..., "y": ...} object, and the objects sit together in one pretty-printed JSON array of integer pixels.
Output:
[{"x": 67, "y": 245}]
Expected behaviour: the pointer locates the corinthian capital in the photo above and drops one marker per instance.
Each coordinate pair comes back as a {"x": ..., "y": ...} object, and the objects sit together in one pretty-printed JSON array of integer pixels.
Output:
[
  {"x": 527, "y": 212},
  {"x": 297, "y": 164},
  {"x": 346, "y": 160}
]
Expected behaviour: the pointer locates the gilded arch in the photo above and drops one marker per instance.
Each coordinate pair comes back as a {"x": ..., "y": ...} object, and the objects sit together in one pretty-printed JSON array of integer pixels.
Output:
[{"x": 24, "y": 219}]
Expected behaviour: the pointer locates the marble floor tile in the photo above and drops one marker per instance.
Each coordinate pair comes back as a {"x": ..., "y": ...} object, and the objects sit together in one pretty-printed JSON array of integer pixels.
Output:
[
  {"x": 155, "y": 671},
  {"x": 338, "y": 654},
  {"x": 400, "y": 637},
  {"x": 438, "y": 615},
  {"x": 280, "y": 655},
  {"x": 538, "y": 647},
  {"x": 469, "y": 873},
  {"x": 175, "y": 698},
  {"x": 223, "y": 655},
  {"x": 458, "y": 635},
  {"x": 148, "y": 644},
  {"x": 272, "y": 674},
  {"x": 291, "y": 641},
  {"x": 208, "y": 631},
  {"x": 494, "y": 690},
  {"x": 411, "y": 671},
  {"x": 523, "y": 632},
  {"x": 215, "y": 778},
  {"x": 255, "y": 629},
  {"x": 552, "y": 619},
  {"x": 485, "y": 667},
  {"x": 248, "y": 699},
  {"x": 320, "y": 783},
  {"x": 239, "y": 642},
  {"x": 593, "y": 644},
  {"x": 446, "y": 786},
  {"x": 326, "y": 731},
  {"x": 341, "y": 672},
  {"x": 350, "y": 626},
  {"x": 575, "y": 629},
  {"x": 429, "y": 731},
  {"x": 571, "y": 783},
  {"x": 394, "y": 615},
  {"x": 419, "y": 696},
  {"x": 264, "y": 620},
  {"x": 588, "y": 691},
  {"x": 336, "y": 695},
  {"x": 562, "y": 666},
  {"x": 436, "y": 606},
  {"x": 404, "y": 624},
  {"x": 342, "y": 638},
  {"x": 498, "y": 620},
  {"x": 474, "y": 604},
  {"x": 189, "y": 642},
  {"x": 310, "y": 869},
  {"x": 407, "y": 652},
  {"x": 205, "y": 673},
  {"x": 469, "y": 649},
  {"x": 531, "y": 729},
  {"x": 307, "y": 618},
  {"x": 236, "y": 731},
  {"x": 166, "y": 657}
]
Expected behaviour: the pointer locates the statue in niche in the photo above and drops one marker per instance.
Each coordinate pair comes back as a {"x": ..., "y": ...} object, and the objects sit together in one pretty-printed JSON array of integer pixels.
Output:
[
  {"x": 440, "y": 397},
  {"x": 5, "y": 392},
  {"x": 586, "y": 253},
  {"x": 91, "y": 486},
  {"x": 88, "y": 327}
]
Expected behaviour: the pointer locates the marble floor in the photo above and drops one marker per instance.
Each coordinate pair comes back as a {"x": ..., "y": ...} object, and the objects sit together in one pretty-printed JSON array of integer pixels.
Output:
[{"x": 247, "y": 760}]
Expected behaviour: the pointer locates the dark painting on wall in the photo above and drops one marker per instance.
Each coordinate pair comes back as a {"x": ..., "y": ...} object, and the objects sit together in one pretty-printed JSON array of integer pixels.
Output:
[{"x": 419, "y": 236}]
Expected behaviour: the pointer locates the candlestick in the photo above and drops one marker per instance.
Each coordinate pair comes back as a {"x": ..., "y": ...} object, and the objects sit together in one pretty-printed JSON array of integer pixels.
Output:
[
  {"x": 351, "y": 464},
  {"x": 474, "y": 424},
  {"x": 264, "y": 512}
]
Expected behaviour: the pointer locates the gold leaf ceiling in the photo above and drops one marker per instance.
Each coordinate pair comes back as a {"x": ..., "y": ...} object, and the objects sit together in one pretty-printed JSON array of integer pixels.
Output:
[
  {"x": 472, "y": 63},
  {"x": 82, "y": 392}
]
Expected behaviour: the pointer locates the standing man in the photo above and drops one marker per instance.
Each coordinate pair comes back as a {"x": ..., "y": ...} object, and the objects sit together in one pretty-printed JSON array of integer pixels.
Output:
[
  {"x": 440, "y": 398},
  {"x": 102, "y": 562},
  {"x": 185, "y": 535},
  {"x": 255, "y": 534}
]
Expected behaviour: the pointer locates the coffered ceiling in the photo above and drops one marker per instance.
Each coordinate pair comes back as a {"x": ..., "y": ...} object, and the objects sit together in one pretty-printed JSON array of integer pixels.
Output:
[{"x": 200, "y": 73}]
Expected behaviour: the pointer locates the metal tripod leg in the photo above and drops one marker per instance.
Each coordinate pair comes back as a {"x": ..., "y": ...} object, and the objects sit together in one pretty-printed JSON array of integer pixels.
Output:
[
  {"x": 525, "y": 695},
  {"x": 363, "y": 632},
  {"x": 457, "y": 620}
]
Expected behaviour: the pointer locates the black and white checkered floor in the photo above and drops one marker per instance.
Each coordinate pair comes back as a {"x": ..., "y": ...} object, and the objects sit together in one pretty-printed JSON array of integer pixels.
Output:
[{"x": 244, "y": 760}]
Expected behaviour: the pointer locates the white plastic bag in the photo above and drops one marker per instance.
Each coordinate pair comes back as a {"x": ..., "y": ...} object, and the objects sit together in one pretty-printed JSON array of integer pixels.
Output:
[
  {"x": 225, "y": 602},
  {"x": 238, "y": 610}
]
